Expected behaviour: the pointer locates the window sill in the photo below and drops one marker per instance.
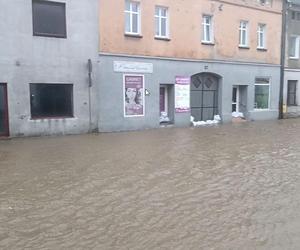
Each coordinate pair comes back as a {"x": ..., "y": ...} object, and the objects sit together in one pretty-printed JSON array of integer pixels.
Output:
[
  {"x": 261, "y": 49},
  {"x": 294, "y": 58},
  {"x": 259, "y": 110},
  {"x": 52, "y": 118},
  {"x": 207, "y": 43},
  {"x": 243, "y": 47},
  {"x": 162, "y": 38},
  {"x": 133, "y": 35},
  {"x": 49, "y": 35}
]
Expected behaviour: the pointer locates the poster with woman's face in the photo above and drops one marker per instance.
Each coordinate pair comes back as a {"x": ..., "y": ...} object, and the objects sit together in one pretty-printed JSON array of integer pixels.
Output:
[{"x": 133, "y": 95}]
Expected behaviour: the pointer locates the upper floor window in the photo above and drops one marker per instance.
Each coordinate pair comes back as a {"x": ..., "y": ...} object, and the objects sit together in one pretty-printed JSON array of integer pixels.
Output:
[
  {"x": 261, "y": 36},
  {"x": 49, "y": 18},
  {"x": 243, "y": 30},
  {"x": 295, "y": 15},
  {"x": 132, "y": 18},
  {"x": 161, "y": 22},
  {"x": 294, "y": 44},
  {"x": 207, "y": 29}
]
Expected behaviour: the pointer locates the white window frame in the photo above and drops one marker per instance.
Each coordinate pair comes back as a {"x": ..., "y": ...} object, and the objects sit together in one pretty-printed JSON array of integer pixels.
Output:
[
  {"x": 263, "y": 84},
  {"x": 131, "y": 13},
  {"x": 211, "y": 30},
  {"x": 246, "y": 30},
  {"x": 261, "y": 30},
  {"x": 237, "y": 102},
  {"x": 159, "y": 18},
  {"x": 297, "y": 47}
]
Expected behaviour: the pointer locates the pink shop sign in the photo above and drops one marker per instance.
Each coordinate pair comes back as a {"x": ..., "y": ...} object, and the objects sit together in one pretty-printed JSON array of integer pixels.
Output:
[{"x": 182, "y": 94}]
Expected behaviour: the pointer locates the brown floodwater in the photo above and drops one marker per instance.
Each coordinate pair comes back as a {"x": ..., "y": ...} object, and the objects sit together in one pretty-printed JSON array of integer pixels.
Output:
[{"x": 225, "y": 187}]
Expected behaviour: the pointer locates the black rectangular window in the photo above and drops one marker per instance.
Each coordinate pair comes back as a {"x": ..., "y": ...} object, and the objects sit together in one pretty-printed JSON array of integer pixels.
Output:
[
  {"x": 292, "y": 89},
  {"x": 49, "y": 18},
  {"x": 51, "y": 100}
]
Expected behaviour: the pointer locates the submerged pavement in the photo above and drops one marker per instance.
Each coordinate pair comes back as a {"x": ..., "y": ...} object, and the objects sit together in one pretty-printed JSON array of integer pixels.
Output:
[{"x": 226, "y": 187}]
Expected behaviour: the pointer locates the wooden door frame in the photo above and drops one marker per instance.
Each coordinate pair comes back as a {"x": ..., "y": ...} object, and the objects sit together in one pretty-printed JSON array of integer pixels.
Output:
[{"x": 6, "y": 119}]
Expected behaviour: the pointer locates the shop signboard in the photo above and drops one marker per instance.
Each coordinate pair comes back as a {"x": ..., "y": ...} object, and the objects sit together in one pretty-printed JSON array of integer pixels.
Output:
[
  {"x": 133, "y": 67},
  {"x": 182, "y": 94},
  {"x": 134, "y": 97}
]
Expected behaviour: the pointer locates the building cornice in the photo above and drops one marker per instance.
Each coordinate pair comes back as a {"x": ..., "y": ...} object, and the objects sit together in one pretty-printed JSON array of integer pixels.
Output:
[
  {"x": 292, "y": 70},
  {"x": 190, "y": 60},
  {"x": 249, "y": 7}
]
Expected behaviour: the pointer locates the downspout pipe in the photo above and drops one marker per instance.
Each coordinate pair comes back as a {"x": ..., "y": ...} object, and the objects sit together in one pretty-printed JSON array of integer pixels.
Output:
[{"x": 282, "y": 58}]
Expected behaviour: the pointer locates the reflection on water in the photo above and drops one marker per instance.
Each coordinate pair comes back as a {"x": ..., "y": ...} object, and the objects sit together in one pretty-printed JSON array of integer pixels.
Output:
[{"x": 226, "y": 187}]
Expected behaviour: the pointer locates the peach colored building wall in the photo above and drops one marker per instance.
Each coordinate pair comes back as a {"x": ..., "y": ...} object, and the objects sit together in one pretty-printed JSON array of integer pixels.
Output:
[{"x": 185, "y": 18}]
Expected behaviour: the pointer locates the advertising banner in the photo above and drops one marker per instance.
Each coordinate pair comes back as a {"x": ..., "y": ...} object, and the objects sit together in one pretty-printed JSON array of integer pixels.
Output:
[
  {"x": 182, "y": 94},
  {"x": 134, "y": 95}
]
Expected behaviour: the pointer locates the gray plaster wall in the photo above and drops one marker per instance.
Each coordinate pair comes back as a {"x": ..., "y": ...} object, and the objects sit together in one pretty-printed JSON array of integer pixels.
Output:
[
  {"x": 111, "y": 116},
  {"x": 29, "y": 59}
]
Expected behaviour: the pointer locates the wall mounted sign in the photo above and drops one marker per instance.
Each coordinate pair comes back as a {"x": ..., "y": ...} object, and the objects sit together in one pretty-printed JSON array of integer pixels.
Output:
[
  {"x": 133, "y": 67},
  {"x": 134, "y": 95},
  {"x": 182, "y": 94}
]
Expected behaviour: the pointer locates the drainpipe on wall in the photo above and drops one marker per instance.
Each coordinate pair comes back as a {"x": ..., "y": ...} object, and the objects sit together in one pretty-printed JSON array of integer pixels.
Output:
[
  {"x": 282, "y": 59},
  {"x": 90, "y": 70}
]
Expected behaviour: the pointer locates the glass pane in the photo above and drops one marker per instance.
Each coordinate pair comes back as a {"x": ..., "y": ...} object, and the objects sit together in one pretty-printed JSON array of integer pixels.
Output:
[
  {"x": 49, "y": 18},
  {"x": 51, "y": 100},
  {"x": 292, "y": 51},
  {"x": 243, "y": 37},
  {"x": 207, "y": 33},
  {"x": 240, "y": 36},
  {"x": 127, "y": 5},
  {"x": 207, "y": 19},
  {"x": 233, "y": 107},
  {"x": 135, "y": 7},
  {"x": 291, "y": 99},
  {"x": 157, "y": 26},
  {"x": 135, "y": 23},
  {"x": 163, "y": 27},
  {"x": 292, "y": 86},
  {"x": 261, "y": 96},
  {"x": 234, "y": 92},
  {"x": 157, "y": 11},
  {"x": 164, "y": 12},
  {"x": 2, "y": 110},
  {"x": 261, "y": 40},
  {"x": 127, "y": 22}
]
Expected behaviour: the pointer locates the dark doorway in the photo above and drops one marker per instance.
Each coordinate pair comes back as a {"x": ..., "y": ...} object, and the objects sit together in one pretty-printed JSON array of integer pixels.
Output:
[
  {"x": 292, "y": 90},
  {"x": 4, "y": 131},
  {"x": 204, "y": 96}
]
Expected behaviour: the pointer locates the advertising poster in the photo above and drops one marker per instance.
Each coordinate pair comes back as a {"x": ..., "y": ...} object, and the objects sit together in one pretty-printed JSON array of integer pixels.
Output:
[
  {"x": 182, "y": 94},
  {"x": 134, "y": 95}
]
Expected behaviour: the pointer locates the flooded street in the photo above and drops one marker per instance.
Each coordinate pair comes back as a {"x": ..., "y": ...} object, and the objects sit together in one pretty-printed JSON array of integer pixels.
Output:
[{"x": 228, "y": 187}]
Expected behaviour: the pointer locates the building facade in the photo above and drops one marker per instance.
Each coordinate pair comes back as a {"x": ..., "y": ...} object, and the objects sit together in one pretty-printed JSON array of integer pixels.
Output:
[
  {"x": 187, "y": 58},
  {"x": 70, "y": 67},
  {"x": 44, "y": 77},
  {"x": 292, "y": 61}
]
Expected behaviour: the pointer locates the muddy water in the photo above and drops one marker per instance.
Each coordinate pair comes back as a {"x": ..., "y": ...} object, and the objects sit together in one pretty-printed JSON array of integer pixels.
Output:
[{"x": 227, "y": 187}]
